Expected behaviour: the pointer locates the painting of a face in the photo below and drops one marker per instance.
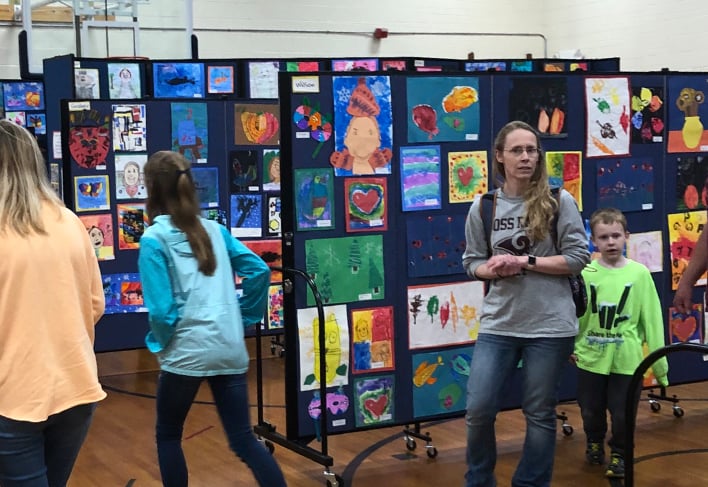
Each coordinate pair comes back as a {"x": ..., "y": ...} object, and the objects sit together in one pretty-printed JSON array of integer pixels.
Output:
[
  {"x": 96, "y": 236},
  {"x": 131, "y": 174},
  {"x": 363, "y": 137}
]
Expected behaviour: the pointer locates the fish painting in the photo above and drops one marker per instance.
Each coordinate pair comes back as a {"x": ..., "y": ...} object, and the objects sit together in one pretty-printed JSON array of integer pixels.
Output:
[
  {"x": 459, "y": 98},
  {"x": 179, "y": 80},
  {"x": 460, "y": 367},
  {"x": 425, "y": 118},
  {"x": 424, "y": 373}
]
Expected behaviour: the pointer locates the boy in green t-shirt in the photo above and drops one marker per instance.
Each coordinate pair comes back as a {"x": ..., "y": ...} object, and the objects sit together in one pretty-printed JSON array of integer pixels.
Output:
[{"x": 623, "y": 313}]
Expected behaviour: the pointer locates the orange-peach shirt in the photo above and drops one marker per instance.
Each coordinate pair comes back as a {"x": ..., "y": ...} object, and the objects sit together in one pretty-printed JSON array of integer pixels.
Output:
[{"x": 51, "y": 297}]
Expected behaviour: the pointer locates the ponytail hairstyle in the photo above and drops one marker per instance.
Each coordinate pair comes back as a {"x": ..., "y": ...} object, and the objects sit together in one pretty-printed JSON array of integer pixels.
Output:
[{"x": 171, "y": 192}]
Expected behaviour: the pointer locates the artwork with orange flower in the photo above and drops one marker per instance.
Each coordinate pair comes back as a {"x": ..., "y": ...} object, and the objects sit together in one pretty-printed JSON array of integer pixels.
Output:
[{"x": 565, "y": 170}]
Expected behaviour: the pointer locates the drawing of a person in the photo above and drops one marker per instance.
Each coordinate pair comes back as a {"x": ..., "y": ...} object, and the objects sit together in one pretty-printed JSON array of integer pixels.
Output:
[
  {"x": 187, "y": 138},
  {"x": 273, "y": 172},
  {"x": 363, "y": 153},
  {"x": 97, "y": 239},
  {"x": 132, "y": 186},
  {"x": 125, "y": 84}
]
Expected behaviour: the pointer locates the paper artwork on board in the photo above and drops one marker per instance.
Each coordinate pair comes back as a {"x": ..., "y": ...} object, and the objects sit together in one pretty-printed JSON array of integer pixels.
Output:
[
  {"x": 467, "y": 175},
  {"x": 542, "y": 103},
  {"x": 246, "y": 215},
  {"x": 439, "y": 384},
  {"x": 625, "y": 183},
  {"x": 274, "y": 224},
  {"x": 363, "y": 125},
  {"x": 336, "y": 353},
  {"x": 89, "y": 138},
  {"x": 100, "y": 231},
  {"x": 271, "y": 251},
  {"x": 190, "y": 131},
  {"x": 256, "y": 124},
  {"x": 178, "y": 80},
  {"x": 522, "y": 66},
  {"x": 485, "y": 66},
  {"x": 216, "y": 214},
  {"x": 647, "y": 248},
  {"x": 355, "y": 64},
  {"x": 435, "y": 244},
  {"x": 648, "y": 120},
  {"x": 36, "y": 121},
  {"x": 124, "y": 81},
  {"x": 129, "y": 128},
  {"x": 346, "y": 269},
  {"x": 314, "y": 199},
  {"x": 565, "y": 171},
  {"x": 393, "y": 65},
  {"x": 374, "y": 400},
  {"x": 312, "y": 124},
  {"x": 691, "y": 182},
  {"x": 271, "y": 169},
  {"x": 86, "y": 84},
  {"x": 420, "y": 178},
  {"x": 130, "y": 176},
  {"x": 275, "y": 313},
  {"x": 302, "y": 66},
  {"x": 686, "y": 327},
  {"x": 243, "y": 170},
  {"x": 23, "y": 96},
  {"x": 443, "y": 109},
  {"x": 372, "y": 339},
  {"x": 263, "y": 79},
  {"x": 608, "y": 107},
  {"x": 684, "y": 230},
  {"x": 91, "y": 193},
  {"x": 206, "y": 185},
  {"x": 444, "y": 314},
  {"x": 687, "y": 114},
  {"x": 132, "y": 222},
  {"x": 123, "y": 293},
  {"x": 220, "y": 79},
  {"x": 366, "y": 204}
]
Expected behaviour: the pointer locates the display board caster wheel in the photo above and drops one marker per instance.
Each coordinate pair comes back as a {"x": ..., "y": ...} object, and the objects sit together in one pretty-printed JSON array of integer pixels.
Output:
[
  {"x": 567, "y": 430},
  {"x": 431, "y": 451},
  {"x": 334, "y": 480},
  {"x": 654, "y": 405},
  {"x": 410, "y": 443},
  {"x": 678, "y": 411}
]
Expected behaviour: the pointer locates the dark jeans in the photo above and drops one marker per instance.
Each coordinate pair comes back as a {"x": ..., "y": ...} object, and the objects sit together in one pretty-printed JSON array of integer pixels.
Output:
[
  {"x": 597, "y": 394},
  {"x": 175, "y": 394},
  {"x": 42, "y": 454}
]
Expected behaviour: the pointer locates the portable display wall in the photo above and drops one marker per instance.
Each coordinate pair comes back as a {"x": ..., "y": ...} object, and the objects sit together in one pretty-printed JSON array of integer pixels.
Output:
[{"x": 385, "y": 249}]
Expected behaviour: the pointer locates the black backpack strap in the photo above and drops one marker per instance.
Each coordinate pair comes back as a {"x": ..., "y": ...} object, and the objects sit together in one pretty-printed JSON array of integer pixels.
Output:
[
  {"x": 555, "y": 192},
  {"x": 487, "y": 206}
]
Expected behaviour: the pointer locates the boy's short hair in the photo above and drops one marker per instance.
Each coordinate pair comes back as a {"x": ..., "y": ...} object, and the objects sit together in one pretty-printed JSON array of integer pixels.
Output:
[{"x": 608, "y": 216}]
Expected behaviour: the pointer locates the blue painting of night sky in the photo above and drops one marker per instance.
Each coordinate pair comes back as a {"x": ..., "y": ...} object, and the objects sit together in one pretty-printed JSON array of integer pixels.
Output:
[
  {"x": 246, "y": 214},
  {"x": 178, "y": 80},
  {"x": 626, "y": 184}
]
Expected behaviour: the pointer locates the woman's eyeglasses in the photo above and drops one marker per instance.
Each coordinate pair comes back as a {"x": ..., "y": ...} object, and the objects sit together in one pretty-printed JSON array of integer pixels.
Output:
[{"x": 519, "y": 150}]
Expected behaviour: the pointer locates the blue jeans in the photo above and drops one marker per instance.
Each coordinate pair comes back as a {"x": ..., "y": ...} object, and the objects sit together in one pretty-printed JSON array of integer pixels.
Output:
[
  {"x": 175, "y": 394},
  {"x": 493, "y": 360},
  {"x": 42, "y": 454}
]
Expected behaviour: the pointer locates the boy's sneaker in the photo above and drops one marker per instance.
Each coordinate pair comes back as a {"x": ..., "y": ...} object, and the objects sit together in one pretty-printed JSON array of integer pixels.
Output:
[
  {"x": 595, "y": 453},
  {"x": 615, "y": 468}
]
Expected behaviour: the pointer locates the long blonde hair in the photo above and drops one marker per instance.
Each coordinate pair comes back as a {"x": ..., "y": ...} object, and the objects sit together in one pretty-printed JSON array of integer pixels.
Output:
[
  {"x": 24, "y": 185},
  {"x": 539, "y": 204},
  {"x": 171, "y": 192}
]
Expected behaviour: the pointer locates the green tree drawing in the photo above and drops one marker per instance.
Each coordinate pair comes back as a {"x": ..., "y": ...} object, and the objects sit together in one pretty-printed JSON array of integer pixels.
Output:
[
  {"x": 416, "y": 303},
  {"x": 325, "y": 288},
  {"x": 312, "y": 264},
  {"x": 354, "y": 256},
  {"x": 375, "y": 277}
]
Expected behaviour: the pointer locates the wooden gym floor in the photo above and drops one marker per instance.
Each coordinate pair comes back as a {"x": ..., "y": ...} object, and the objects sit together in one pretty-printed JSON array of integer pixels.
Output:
[{"x": 120, "y": 449}]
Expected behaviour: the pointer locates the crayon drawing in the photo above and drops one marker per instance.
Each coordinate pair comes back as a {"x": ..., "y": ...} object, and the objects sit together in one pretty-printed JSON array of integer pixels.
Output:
[
  {"x": 684, "y": 229},
  {"x": 420, "y": 178},
  {"x": 565, "y": 171},
  {"x": 365, "y": 204},
  {"x": 314, "y": 199},
  {"x": 647, "y": 249},
  {"x": 372, "y": 339},
  {"x": 608, "y": 108},
  {"x": 373, "y": 400},
  {"x": 439, "y": 382},
  {"x": 91, "y": 193},
  {"x": 100, "y": 230},
  {"x": 190, "y": 134},
  {"x": 336, "y": 353},
  {"x": 435, "y": 244},
  {"x": 444, "y": 314},
  {"x": 246, "y": 215},
  {"x": 648, "y": 120},
  {"x": 467, "y": 175}
]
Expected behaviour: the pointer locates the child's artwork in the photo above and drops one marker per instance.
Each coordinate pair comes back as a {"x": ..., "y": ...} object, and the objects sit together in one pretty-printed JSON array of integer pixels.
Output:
[
  {"x": 691, "y": 182},
  {"x": 100, "y": 231},
  {"x": 440, "y": 381},
  {"x": 553, "y": 67},
  {"x": 443, "y": 109},
  {"x": 124, "y": 81},
  {"x": 129, "y": 128},
  {"x": 35, "y": 121},
  {"x": 647, "y": 115},
  {"x": 243, "y": 171},
  {"x": 310, "y": 121},
  {"x": 365, "y": 204},
  {"x": 485, "y": 66},
  {"x": 246, "y": 215},
  {"x": 346, "y": 269},
  {"x": 444, "y": 314},
  {"x": 355, "y": 64},
  {"x": 684, "y": 230},
  {"x": 206, "y": 185},
  {"x": 220, "y": 79},
  {"x": 276, "y": 317},
  {"x": 23, "y": 96},
  {"x": 435, "y": 244},
  {"x": 647, "y": 248},
  {"x": 522, "y": 66},
  {"x": 363, "y": 125},
  {"x": 578, "y": 66},
  {"x": 565, "y": 171},
  {"x": 467, "y": 175},
  {"x": 271, "y": 169},
  {"x": 91, "y": 193},
  {"x": 420, "y": 178},
  {"x": 336, "y": 353},
  {"x": 86, "y": 84},
  {"x": 686, "y": 328},
  {"x": 626, "y": 184},
  {"x": 686, "y": 114},
  {"x": 302, "y": 66},
  {"x": 178, "y": 80},
  {"x": 337, "y": 404},
  {"x": 123, "y": 293},
  {"x": 274, "y": 225},
  {"x": 132, "y": 222},
  {"x": 541, "y": 102},
  {"x": 19, "y": 118},
  {"x": 263, "y": 79},
  {"x": 216, "y": 215},
  {"x": 256, "y": 124},
  {"x": 393, "y": 65},
  {"x": 130, "y": 178},
  {"x": 608, "y": 106},
  {"x": 271, "y": 251},
  {"x": 314, "y": 199},
  {"x": 372, "y": 339},
  {"x": 373, "y": 400},
  {"x": 190, "y": 134},
  {"x": 89, "y": 138}
]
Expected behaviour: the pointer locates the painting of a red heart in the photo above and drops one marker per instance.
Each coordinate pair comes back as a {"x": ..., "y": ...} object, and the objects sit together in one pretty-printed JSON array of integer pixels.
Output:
[
  {"x": 376, "y": 406},
  {"x": 465, "y": 175},
  {"x": 685, "y": 327},
  {"x": 366, "y": 201},
  {"x": 366, "y": 204}
]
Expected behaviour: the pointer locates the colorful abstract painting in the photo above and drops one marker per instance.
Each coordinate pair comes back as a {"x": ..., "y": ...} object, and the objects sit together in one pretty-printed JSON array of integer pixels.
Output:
[
  {"x": 373, "y": 400},
  {"x": 647, "y": 248},
  {"x": 686, "y": 327},
  {"x": 123, "y": 293},
  {"x": 372, "y": 339},
  {"x": 23, "y": 96},
  {"x": 365, "y": 205},
  {"x": 439, "y": 384},
  {"x": 100, "y": 231},
  {"x": 246, "y": 215},
  {"x": 314, "y": 199},
  {"x": 91, "y": 193},
  {"x": 355, "y": 64},
  {"x": 276, "y": 316},
  {"x": 178, "y": 80},
  {"x": 684, "y": 230},
  {"x": 271, "y": 251},
  {"x": 336, "y": 353},
  {"x": 393, "y": 65},
  {"x": 435, "y": 244},
  {"x": 346, "y": 269},
  {"x": 522, "y": 66},
  {"x": 444, "y": 314},
  {"x": 312, "y": 124},
  {"x": 363, "y": 125},
  {"x": 190, "y": 131},
  {"x": 420, "y": 178},
  {"x": 565, "y": 171},
  {"x": 607, "y": 103},
  {"x": 467, "y": 175},
  {"x": 443, "y": 109},
  {"x": 129, "y": 127},
  {"x": 220, "y": 79},
  {"x": 626, "y": 184},
  {"x": 542, "y": 103},
  {"x": 132, "y": 222},
  {"x": 648, "y": 119},
  {"x": 691, "y": 182},
  {"x": 485, "y": 66},
  {"x": 302, "y": 66},
  {"x": 256, "y": 124},
  {"x": 687, "y": 113},
  {"x": 274, "y": 223}
]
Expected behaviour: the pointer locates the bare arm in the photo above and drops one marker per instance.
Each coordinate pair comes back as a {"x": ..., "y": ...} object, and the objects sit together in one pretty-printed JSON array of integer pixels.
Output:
[{"x": 696, "y": 267}]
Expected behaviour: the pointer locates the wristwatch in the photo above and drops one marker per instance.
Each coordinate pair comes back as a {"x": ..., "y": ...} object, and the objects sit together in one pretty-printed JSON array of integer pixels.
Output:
[{"x": 531, "y": 261}]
